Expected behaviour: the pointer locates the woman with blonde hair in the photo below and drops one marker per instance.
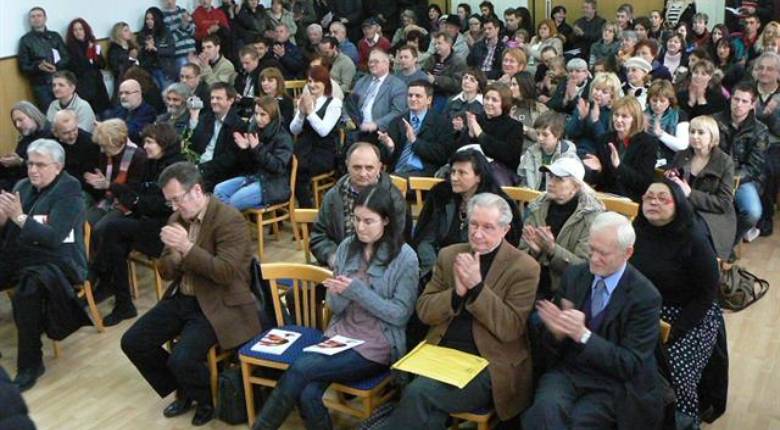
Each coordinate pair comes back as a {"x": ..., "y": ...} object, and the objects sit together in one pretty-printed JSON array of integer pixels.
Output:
[
  {"x": 122, "y": 51},
  {"x": 592, "y": 117},
  {"x": 513, "y": 61},
  {"x": 705, "y": 174},
  {"x": 546, "y": 35},
  {"x": 623, "y": 162}
]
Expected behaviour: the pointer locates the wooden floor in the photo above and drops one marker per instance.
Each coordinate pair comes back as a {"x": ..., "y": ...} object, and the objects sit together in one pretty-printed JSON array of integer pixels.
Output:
[{"x": 93, "y": 386}]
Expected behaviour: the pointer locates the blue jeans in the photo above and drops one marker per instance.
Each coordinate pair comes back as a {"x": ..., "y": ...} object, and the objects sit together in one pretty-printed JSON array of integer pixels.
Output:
[
  {"x": 241, "y": 192},
  {"x": 748, "y": 203},
  {"x": 309, "y": 376}
]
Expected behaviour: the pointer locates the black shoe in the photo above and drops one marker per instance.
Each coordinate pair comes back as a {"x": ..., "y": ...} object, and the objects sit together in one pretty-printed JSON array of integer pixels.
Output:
[
  {"x": 26, "y": 378},
  {"x": 119, "y": 314},
  {"x": 178, "y": 407},
  {"x": 203, "y": 414}
]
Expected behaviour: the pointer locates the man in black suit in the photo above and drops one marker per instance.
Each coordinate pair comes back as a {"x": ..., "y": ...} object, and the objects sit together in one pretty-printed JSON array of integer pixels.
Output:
[
  {"x": 415, "y": 143},
  {"x": 601, "y": 335},
  {"x": 212, "y": 135},
  {"x": 81, "y": 154}
]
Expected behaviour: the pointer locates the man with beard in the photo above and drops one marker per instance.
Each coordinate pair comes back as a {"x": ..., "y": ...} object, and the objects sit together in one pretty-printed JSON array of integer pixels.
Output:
[{"x": 176, "y": 96}]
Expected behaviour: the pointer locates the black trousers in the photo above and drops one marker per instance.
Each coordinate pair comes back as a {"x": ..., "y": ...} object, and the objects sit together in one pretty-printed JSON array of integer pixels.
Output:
[
  {"x": 28, "y": 316},
  {"x": 117, "y": 236},
  {"x": 185, "y": 367}
]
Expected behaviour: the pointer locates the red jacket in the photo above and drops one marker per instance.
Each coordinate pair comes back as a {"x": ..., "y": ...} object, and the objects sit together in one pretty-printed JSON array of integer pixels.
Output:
[
  {"x": 364, "y": 49},
  {"x": 205, "y": 19}
]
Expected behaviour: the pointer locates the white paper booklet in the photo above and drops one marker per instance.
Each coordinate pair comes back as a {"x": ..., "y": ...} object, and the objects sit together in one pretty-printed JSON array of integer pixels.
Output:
[
  {"x": 276, "y": 341},
  {"x": 334, "y": 345}
]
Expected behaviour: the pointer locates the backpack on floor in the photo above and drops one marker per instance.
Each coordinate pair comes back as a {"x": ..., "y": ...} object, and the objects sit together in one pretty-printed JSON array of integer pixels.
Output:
[
  {"x": 740, "y": 288},
  {"x": 231, "y": 403}
]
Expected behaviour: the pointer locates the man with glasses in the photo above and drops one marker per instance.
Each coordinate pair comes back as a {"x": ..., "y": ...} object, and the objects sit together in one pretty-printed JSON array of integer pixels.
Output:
[
  {"x": 208, "y": 302},
  {"x": 132, "y": 109},
  {"x": 601, "y": 331},
  {"x": 81, "y": 154},
  {"x": 42, "y": 253}
]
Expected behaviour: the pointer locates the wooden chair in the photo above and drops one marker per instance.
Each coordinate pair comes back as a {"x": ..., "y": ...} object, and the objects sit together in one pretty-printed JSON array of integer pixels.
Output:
[
  {"x": 295, "y": 88},
  {"x": 215, "y": 356},
  {"x": 304, "y": 217},
  {"x": 84, "y": 290},
  {"x": 138, "y": 258},
  {"x": 302, "y": 279},
  {"x": 522, "y": 195},
  {"x": 621, "y": 205},
  {"x": 400, "y": 183},
  {"x": 666, "y": 329},
  {"x": 275, "y": 212},
  {"x": 419, "y": 184},
  {"x": 482, "y": 418},
  {"x": 322, "y": 183}
]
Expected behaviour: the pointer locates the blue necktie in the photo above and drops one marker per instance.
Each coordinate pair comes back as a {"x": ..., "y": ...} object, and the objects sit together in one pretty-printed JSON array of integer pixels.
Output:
[
  {"x": 408, "y": 160},
  {"x": 599, "y": 298}
]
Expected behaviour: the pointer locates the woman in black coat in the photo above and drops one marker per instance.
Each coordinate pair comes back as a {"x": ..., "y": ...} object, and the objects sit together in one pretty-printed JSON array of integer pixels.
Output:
[
  {"x": 624, "y": 159},
  {"x": 495, "y": 134},
  {"x": 265, "y": 161},
  {"x": 86, "y": 61},
  {"x": 442, "y": 221},
  {"x": 145, "y": 213},
  {"x": 158, "y": 50},
  {"x": 673, "y": 251},
  {"x": 703, "y": 95}
]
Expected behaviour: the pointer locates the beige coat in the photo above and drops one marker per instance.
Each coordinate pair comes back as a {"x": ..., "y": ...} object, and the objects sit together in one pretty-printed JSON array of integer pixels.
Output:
[{"x": 500, "y": 313}]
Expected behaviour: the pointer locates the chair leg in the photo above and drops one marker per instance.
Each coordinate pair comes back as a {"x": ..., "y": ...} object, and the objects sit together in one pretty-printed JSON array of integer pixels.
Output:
[
  {"x": 93, "y": 307},
  {"x": 275, "y": 226},
  {"x": 260, "y": 237},
  {"x": 158, "y": 282},
  {"x": 246, "y": 373},
  {"x": 133, "y": 278},
  {"x": 57, "y": 348},
  {"x": 213, "y": 375}
]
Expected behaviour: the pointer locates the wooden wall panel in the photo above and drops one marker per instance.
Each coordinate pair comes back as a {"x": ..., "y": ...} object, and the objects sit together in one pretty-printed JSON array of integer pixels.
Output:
[{"x": 13, "y": 87}]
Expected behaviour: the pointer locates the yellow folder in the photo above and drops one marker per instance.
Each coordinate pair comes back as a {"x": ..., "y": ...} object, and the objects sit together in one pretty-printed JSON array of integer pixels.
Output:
[{"x": 442, "y": 364}]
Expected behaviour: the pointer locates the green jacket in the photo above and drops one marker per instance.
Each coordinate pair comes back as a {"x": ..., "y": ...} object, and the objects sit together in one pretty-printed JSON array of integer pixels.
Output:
[{"x": 571, "y": 244}]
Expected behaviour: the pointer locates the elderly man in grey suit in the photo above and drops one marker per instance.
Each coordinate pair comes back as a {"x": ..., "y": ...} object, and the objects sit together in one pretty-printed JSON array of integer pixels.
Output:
[
  {"x": 601, "y": 333},
  {"x": 377, "y": 98}
]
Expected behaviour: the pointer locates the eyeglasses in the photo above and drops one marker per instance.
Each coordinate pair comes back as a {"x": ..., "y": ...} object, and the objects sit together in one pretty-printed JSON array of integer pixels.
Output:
[
  {"x": 37, "y": 164},
  {"x": 127, "y": 93},
  {"x": 662, "y": 198},
  {"x": 178, "y": 200}
]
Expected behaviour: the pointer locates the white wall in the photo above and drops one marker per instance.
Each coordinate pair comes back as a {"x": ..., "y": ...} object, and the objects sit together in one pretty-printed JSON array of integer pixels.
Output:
[
  {"x": 100, "y": 14},
  {"x": 500, "y": 5}
]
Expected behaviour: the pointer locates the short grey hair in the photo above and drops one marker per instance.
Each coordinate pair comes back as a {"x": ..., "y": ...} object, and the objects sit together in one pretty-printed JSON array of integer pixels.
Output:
[
  {"x": 314, "y": 27},
  {"x": 629, "y": 34},
  {"x": 623, "y": 228},
  {"x": 179, "y": 88},
  {"x": 32, "y": 112},
  {"x": 490, "y": 200},
  {"x": 47, "y": 148},
  {"x": 769, "y": 56}
]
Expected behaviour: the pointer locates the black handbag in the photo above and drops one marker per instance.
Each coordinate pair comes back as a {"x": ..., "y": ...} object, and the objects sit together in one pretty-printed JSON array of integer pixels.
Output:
[
  {"x": 231, "y": 404},
  {"x": 261, "y": 289}
]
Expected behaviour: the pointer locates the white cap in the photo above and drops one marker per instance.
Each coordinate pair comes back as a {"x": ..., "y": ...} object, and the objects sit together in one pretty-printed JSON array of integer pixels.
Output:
[{"x": 565, "y": 167}]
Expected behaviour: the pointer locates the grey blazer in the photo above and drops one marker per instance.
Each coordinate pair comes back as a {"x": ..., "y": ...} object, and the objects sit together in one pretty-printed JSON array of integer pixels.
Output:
[{"x": 389, "y": 103}]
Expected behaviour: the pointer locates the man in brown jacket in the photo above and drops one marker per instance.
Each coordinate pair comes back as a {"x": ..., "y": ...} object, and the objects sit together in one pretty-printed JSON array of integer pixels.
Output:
[
  {"x": 478, "y": 301},
  {"x": 206, "y": 256}
]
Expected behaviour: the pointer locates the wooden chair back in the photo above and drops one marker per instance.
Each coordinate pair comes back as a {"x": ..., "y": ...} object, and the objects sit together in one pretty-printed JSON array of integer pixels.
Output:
[
  {"x": 400, "y": 183},
  {"x": 295, "y": 88},
  {"x": 418, "y": 184},
  {"x": 522, "y": 195},
  {"x": 303, "y": 279},
  {"x": 303, "y": 218},
  {"x": 621, "y": 205}
]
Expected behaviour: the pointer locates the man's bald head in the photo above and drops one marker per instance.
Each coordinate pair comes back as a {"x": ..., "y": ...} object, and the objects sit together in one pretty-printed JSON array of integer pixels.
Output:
[
  {"x": 130, "y": 96},
  {"x": 66, "y": 126}
]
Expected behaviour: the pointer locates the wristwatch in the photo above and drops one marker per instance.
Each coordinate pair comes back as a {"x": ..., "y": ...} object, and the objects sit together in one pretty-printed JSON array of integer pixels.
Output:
[
  {"x": 20, "y": 219},
  {"x": 585, "y": 337}
]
